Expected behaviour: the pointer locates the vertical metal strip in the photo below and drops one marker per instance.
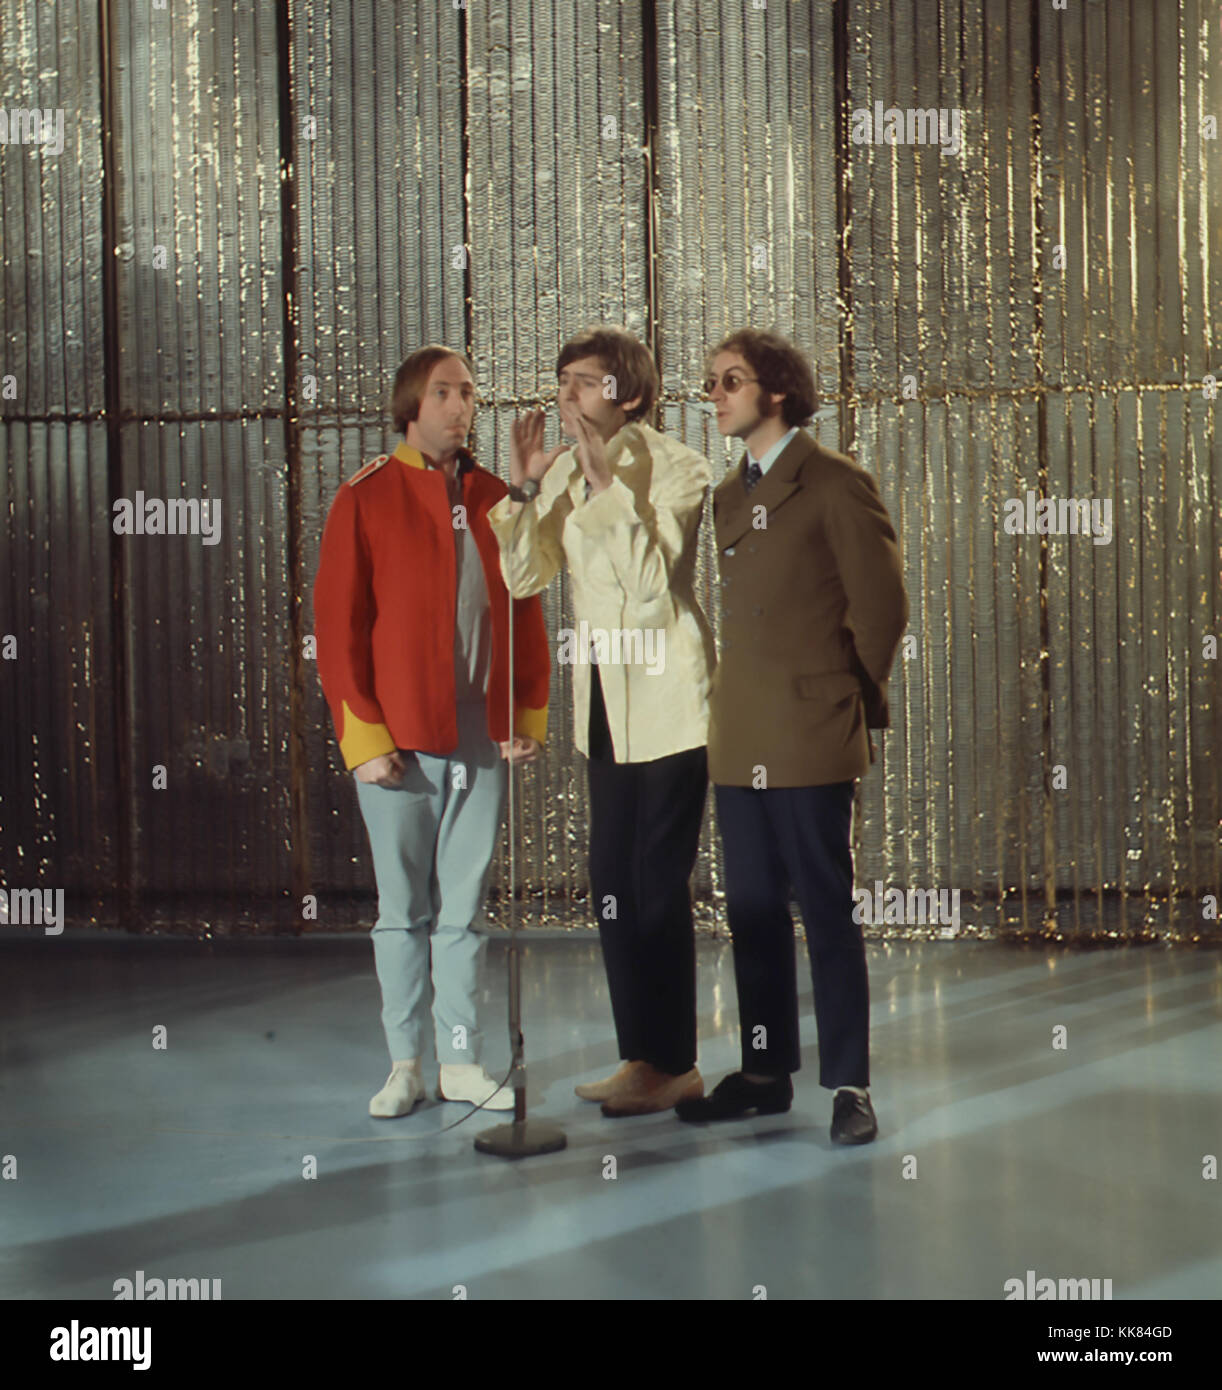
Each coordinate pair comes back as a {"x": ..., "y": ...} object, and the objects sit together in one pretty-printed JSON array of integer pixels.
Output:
[
  {"x": 759, "y": 249},
  {"x": 695, "y": 302},
  {"x": 1176, "y": 523},
  {"x": 298, "y": 760},
  {"x": 1049, "y": 856},
  {"x": 882, "y": 270},
  {"x": 1131, "y": 692},
  {"x": 845, "y": 382},
  {"x": 450, "y": 81},
  {"x": 1204, "y": 87},
  {"x": 1072, "y": 658},
  {"x": 464, "y": 184},
  {"x": 519, "y": 173},
  {"x": 1150, "y": 720},
  {"x": 1022, "y": 118},
  {"x": 903, "y": 158},
  {"x": 786, "y": 295},
  {"x": 1074, "y": 637},
  {"x": 856, "y": 196},
  {"x": 1112, "y": 442},
  {"x": 479, "y": 187},
  {"x": 649, "y": 61},
  {"x": 121, "y": 669},
  {"x": 845, "y": 215},
  {"x": 815, "y": 164},
  {"x": 1106, "y": 725}
]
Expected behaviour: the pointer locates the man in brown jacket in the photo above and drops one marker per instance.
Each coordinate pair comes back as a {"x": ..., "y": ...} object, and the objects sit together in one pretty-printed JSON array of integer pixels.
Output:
[{"x": 813, "y": 609}]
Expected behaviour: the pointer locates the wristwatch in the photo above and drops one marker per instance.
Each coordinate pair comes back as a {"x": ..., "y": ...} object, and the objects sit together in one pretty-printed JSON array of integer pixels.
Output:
[{"x": 527, "y": 492}]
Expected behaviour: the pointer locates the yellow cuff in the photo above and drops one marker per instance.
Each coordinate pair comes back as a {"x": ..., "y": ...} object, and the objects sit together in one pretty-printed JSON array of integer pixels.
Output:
[
  {"x": 531, "y": 723},
  {"x": 362, "y": 741}
]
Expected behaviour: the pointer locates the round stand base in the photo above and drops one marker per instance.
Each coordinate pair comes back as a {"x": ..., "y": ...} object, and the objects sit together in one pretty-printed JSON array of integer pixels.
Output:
[{"x": 521, "y": 1139}]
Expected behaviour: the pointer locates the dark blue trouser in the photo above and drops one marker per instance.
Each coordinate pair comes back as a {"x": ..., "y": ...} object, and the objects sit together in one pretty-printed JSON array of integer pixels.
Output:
[
  {"x": 644, "y": 833},
  {"x": 773, "y": 840}
]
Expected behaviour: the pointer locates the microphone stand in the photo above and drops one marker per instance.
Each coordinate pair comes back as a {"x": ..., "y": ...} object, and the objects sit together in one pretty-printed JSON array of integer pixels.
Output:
[{"x": 522, "y": 1138}]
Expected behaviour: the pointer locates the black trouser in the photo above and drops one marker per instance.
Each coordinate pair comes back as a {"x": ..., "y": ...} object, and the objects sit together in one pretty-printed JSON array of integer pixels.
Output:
[
  {"x": 773, "y": 839},
  {"x": 644, "y": 832}
]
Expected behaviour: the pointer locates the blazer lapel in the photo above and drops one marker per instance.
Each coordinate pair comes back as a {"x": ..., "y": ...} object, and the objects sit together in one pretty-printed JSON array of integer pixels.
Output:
[
  {"x": 734, "y": 507},
  {"x": 731, "y": 511}
]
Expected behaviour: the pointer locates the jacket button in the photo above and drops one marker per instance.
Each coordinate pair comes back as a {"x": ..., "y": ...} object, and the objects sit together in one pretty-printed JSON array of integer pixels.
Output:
[
  {"x": 730, "y": 551},
  {"x": 725, "y": 579}
]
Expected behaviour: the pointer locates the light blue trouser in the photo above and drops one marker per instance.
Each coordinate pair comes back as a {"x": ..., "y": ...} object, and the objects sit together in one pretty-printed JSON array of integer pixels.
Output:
[{"x": 432, "y": 844}]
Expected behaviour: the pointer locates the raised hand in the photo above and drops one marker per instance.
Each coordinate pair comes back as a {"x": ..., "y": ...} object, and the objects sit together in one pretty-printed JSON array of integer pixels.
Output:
[
  {"x": 591, "y": 454},
  {"x": 527, "y": 457}
]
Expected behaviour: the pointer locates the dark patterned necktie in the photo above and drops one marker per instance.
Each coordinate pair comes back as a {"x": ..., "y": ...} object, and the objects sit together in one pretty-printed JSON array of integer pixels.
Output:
[{"x": 752, "y": 476}]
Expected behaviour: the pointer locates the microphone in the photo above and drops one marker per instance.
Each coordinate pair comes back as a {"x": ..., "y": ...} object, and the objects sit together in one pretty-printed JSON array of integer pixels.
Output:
[{"x": 521, "y": 1138}]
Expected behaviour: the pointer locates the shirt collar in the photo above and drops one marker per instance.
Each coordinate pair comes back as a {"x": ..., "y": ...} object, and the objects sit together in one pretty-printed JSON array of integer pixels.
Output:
[
  {"x": 415, "y": 459},
  {"x": 774, "y": 453}
]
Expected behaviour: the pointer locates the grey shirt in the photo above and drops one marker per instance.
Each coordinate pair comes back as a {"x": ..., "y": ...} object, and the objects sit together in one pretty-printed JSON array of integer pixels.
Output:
[{"x": 472, "y": 620}]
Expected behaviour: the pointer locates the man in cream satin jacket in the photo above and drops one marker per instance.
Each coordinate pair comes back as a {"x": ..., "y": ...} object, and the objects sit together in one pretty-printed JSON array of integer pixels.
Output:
[
  {"x": 631, "y": 554},
  {"x": 622, "y": 509}
]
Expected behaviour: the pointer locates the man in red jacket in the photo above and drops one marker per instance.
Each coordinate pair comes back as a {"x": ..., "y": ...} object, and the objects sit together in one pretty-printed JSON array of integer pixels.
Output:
[{"x": 412, "y": 630}]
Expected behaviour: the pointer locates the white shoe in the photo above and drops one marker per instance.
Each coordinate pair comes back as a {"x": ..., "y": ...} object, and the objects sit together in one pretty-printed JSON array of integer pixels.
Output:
[
  {"x": 404, "y": 1087},
  {"x": 465, "y": 1081}
]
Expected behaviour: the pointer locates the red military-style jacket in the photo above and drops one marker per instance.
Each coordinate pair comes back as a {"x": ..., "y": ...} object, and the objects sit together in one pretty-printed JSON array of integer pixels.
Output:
[{"x": 384, "y": 601}]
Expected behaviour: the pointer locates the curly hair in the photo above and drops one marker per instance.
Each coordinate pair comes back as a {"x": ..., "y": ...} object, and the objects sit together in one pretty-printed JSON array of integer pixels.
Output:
[{"x": 780, "y": 367}]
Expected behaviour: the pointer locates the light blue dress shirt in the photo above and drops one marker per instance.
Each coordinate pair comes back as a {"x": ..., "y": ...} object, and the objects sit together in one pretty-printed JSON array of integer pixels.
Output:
[{"x": 774, "y": 453}]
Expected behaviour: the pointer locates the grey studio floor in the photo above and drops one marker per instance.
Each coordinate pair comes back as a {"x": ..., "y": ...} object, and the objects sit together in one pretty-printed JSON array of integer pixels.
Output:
[{"x": 188, "y": 1162}]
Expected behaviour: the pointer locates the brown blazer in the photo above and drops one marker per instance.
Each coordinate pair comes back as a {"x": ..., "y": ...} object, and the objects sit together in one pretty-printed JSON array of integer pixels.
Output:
[{"x": 813, "y": 609}]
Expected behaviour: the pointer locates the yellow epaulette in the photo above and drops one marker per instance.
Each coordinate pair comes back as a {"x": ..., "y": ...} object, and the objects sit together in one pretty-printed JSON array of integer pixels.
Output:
[{"x": 371, "y": 467}]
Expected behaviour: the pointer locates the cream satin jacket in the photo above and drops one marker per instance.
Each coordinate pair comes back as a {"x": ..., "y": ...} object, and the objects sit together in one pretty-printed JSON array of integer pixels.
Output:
[{"x": 631, "y": 554}]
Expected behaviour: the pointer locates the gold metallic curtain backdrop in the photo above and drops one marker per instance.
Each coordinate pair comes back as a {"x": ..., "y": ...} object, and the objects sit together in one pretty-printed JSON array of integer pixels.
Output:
[{"x": 257, "y": 211}]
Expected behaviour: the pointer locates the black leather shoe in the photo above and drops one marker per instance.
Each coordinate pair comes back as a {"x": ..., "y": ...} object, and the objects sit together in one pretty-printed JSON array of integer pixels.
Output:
[
  {"x": 734, "y": 1097},
  {"x": 853, "y": 1119}
]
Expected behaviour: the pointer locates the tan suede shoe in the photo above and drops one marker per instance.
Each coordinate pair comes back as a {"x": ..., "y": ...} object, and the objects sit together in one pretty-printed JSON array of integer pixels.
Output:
[
  {"x": 610, "y": 1085},
  {"x": 652, "y": 1091}
]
